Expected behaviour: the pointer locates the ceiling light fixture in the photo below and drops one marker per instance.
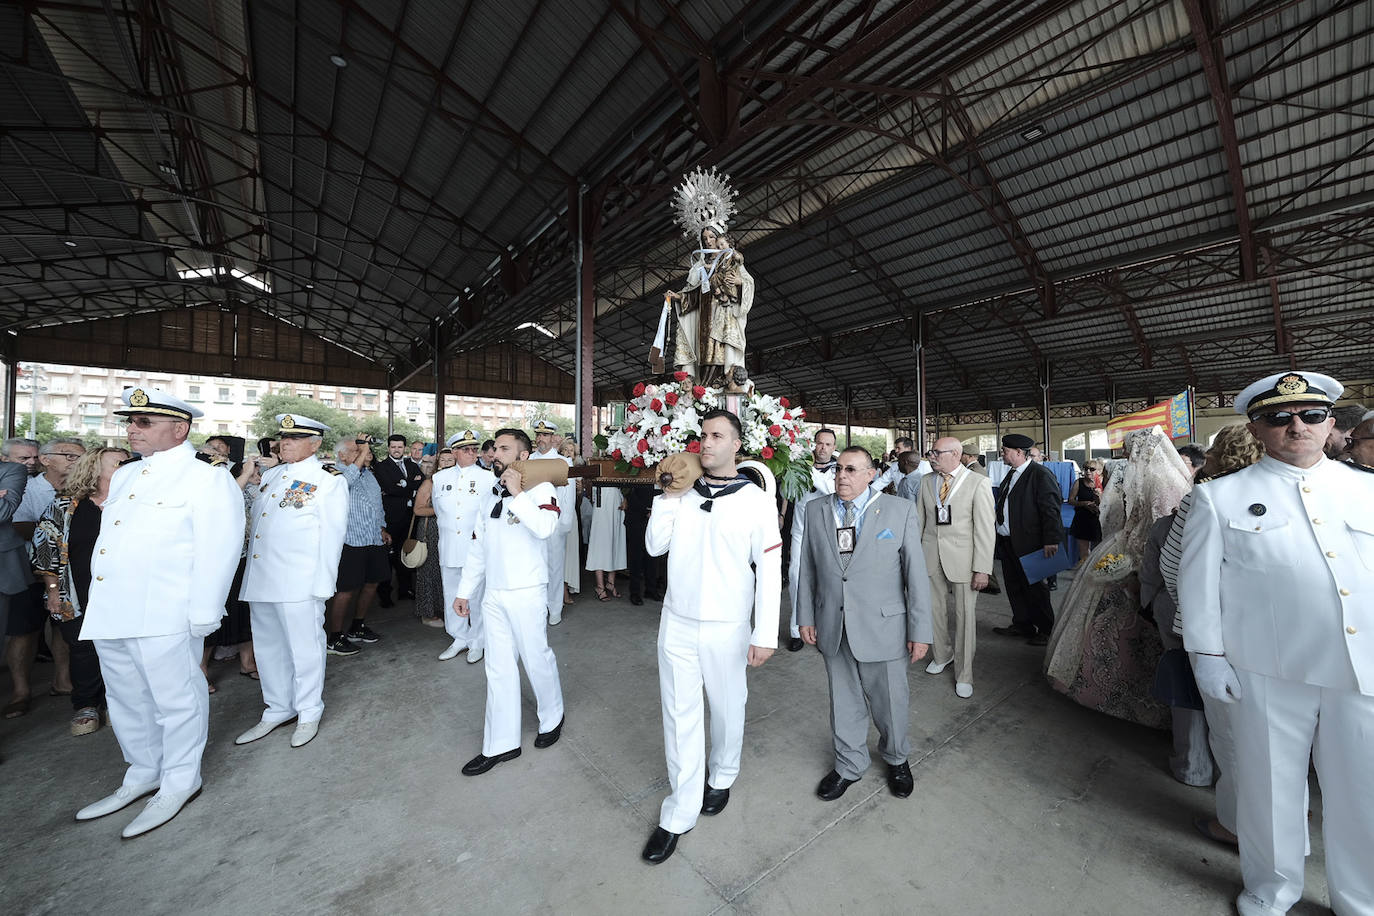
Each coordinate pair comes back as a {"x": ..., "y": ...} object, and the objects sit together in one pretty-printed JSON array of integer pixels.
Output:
[
  {"x": 338, "y": 60},
  {"x": 538, "y": 327},
  {"x": 1034, "y": 132},
  {"x": 69, "y": 243}
]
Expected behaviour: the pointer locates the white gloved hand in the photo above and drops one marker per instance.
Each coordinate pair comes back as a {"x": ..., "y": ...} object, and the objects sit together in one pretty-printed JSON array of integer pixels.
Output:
[
  {"x": 202, "y": 630},
  {"x": 1216, "y": 678}
]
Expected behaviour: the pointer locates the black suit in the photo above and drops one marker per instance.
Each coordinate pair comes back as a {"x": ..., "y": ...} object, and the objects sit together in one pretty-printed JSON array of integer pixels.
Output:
[
  {"x": 1033, "y": 507},
  {"x": 644, "y": 574},
  {"x": 398, "y": 501}
]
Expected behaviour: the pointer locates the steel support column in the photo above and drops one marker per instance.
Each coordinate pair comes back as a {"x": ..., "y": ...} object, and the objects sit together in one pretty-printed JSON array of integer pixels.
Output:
[
  {"x": 390, "y": 411},
  {"x": 11, "y": 391},
  {"x": 438, "y": 391},
  {"x": 585, "y": 212},
  {"x": 920, "y": 353},
  {"x": 1045, "y": 405}
]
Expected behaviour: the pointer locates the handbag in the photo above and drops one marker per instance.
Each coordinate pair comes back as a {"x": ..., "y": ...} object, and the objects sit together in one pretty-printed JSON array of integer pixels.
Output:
[{"x": 414, "y": 551}]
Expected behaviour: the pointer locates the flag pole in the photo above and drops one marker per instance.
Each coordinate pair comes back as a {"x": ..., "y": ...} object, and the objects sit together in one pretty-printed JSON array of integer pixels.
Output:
[{"x": 1192, "y": 416}]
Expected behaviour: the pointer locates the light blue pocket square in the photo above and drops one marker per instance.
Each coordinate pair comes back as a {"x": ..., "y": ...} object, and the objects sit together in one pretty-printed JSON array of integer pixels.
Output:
[{"x": 885, "y": 534}]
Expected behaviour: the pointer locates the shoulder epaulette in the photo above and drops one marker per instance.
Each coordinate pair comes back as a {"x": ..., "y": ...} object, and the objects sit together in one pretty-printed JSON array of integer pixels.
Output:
[
  {"x": 1219, "y": 476},
  {"x": 333, "y": 470},
  {"x": 215, "y": 461},
  {"x": 1355, "y": 465},
  {"x": 130, "y": 460}
]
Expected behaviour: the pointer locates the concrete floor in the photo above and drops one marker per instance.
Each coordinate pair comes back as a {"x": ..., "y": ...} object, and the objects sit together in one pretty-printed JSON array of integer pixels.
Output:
[{"x": 1025, "y": 803}]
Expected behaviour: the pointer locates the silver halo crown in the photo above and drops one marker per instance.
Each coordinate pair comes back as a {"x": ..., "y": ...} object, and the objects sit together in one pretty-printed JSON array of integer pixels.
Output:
[{"x": 703, "y": 199}]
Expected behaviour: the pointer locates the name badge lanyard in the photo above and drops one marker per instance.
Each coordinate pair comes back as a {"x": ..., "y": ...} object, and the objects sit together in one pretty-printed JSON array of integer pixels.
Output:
[
  {"x": 847, "y": 537},
  {"x": 942, "y": 515}
]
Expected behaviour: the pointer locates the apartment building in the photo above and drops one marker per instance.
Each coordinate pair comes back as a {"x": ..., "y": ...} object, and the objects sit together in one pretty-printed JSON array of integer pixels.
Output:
[{"x": 83, "y": 398}]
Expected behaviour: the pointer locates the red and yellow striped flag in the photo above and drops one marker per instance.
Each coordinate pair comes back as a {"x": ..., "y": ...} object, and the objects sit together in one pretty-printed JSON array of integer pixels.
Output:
[{"x": 1170, "y": 415}]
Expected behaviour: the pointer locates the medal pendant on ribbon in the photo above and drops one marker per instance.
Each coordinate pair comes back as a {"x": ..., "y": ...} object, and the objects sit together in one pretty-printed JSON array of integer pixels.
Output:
[
  {"x": 845, "y": 538},
  {"x": 942, "y": 516},
  {"x": 511, "y": 519}
]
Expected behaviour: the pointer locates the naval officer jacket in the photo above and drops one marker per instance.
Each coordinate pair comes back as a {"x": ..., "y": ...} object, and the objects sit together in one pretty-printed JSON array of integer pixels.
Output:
[
  {"x": 510, "y": 550},
  {"x": 709, "y": 553},
  {"x": 298, "y": 521},
  {"x": 458, "y": 495},
  {"x": 170, "y": 536},
  {"x": 1277, "y": 572}
]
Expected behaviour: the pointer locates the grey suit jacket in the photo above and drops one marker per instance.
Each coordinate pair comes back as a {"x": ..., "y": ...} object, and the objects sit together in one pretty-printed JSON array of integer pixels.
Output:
[
  {"x": 883, "y": 600},
  {"x": 15, "y": 570}
]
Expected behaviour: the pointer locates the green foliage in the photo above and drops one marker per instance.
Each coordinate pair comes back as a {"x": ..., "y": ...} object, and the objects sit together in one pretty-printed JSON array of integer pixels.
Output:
[
  {"x": 47, "y": 430},
  {"x": 793, "y": 477},
  {"x": 546, "y": 411},
  {"x": 456, "y": 424}
]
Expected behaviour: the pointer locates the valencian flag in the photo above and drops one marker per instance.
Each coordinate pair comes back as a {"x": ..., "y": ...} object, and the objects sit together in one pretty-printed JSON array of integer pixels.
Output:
[{"x": 1171, "y": 415}]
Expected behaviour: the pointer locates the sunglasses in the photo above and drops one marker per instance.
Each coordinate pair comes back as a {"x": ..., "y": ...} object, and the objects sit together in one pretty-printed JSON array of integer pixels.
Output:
[
  {"x": 147, "y": 422},
  {"x": 1280, "y": 418}
]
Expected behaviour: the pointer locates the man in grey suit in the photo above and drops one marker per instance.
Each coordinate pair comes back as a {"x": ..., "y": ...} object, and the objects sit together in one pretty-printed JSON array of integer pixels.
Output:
[
  {"x": 15, "y": 569},
  {"x": 864, "y": 600}
]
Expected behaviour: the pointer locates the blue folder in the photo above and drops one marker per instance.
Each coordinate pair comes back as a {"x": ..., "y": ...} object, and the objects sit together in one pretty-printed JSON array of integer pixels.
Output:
[{"x": 1038, "y": 566}]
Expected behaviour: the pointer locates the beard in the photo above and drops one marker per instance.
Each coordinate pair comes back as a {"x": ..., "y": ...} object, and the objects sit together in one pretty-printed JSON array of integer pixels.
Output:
[{"x": 498, "y": 467}]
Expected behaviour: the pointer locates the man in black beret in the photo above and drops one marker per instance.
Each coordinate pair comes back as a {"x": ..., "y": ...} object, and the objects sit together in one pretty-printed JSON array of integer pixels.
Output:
[{"x": 1028, "y": 519}]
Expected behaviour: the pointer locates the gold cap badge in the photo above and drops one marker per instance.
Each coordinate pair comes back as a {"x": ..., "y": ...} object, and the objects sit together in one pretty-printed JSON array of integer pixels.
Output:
[
  {"x": 1291, "y": 384},
  {"x": 138, "y": 399},
  {"x": 288, "y": 422}
]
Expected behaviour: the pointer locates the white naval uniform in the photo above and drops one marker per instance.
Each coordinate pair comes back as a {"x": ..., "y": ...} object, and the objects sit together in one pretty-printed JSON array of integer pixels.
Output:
[
  {"x": 171, "y": 530},
  {"x": 704, "y": 634},
  {"x": 506, "y": 565},
  {"x": 457, "y": 495},
  {"x": 1277, "y": 574},
  {"x": 298, "y": 522},
  {"x": 822, "y": 484},
  {"x": 557, "y": 546},
  {"x": 893, "y": 474}
]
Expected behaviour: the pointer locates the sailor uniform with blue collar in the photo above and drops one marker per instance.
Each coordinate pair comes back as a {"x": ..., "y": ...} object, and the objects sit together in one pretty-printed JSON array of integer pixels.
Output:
[
  {"x": 171, "y": 530},
  {"x": 458, "y": 495},
  {"x": 506, "y": 564},
  {"x": 299, "y": 518},
  {"x": 711, "y": 536}
]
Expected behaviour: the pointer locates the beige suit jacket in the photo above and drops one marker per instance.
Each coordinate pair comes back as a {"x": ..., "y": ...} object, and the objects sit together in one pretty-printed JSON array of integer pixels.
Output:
[{"x": 964, "y": 546}]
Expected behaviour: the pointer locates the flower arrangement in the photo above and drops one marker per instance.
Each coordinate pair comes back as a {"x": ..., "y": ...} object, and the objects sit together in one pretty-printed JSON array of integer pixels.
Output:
[
  {"x": 661, "y": 420},
  {"x": 1113, "y": 567}
]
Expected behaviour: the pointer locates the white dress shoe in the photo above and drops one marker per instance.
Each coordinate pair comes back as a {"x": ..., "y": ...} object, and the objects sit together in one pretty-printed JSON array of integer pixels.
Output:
[
  {"x": 305, "y": 733},
  {"x": 963, "y": 690},
  {"x": 453, "y": 650},
  {"x": 123, "y": 798},
  {"x": 474, "y": 656},
  {"x": 160, "y": 809},
  {"x": 936, "y": 667},
  {"x": 261, "y": 730},
  {"x": 556, "y": 618}
]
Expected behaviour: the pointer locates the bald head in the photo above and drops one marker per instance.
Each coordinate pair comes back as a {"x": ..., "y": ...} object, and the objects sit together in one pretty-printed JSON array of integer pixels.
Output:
[{"x": 944, "y": 457}]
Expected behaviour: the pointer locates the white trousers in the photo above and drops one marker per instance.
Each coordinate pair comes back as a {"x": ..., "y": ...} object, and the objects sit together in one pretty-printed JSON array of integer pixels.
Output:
[
  {"x": 1223, "y": 745},
  {"x": 555, "y": 546},
  {"x": 693, "y": 654},
  {"x": 469, "y": 628},
  {"x": 516, "y": 630},
  {"x": 1278, "y": 725},
  {"x": 960, "y": 651},
  {"x": 289, "y": 643},
  {"x": 159, "y": 706}
]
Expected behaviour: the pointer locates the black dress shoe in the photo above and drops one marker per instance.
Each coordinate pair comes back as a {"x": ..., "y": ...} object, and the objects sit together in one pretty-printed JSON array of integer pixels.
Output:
[
  {"x": 833, "y": 785},
  {"x": 714, "y": 800},
  {"x": 1019, "y": 632},
  {"x": 660, "y": 846},
  {"x": 636, "y": 600},
  {"x": 795, "y": 644},
  {"x": 1039, "y": 639},
  {"x": 1052, "y": 582},
  {"x": 479, "y": 764},
  {"x": 550, "y": 737},
  {"x": 655, "y": 595},
  {"x": 899, "y": 779}
]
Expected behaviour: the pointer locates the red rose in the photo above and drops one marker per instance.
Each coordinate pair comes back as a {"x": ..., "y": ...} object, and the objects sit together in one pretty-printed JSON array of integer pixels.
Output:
[
  {"x": 631, "y": 407},
  {"x": 694, "y": 447},
  {"x": 632, "y": 429},
  {"x": 655, "y": 405},
  {"x": 787, "y": 414},
  {"x": 617, "y": 455},
  {"x": 791, "y": 436},
  {"x": 639, "y": 389},
  {"x": 784, "y": 402},
  {"x": 680, "y": 376},
  {"x": 664, "y": 430},
  {"x": 698, "y": 391},
  {"x": 767, "y": 452},
  {"x": 642, "y": 445},
  {"x": 637, "y": 462},
  {"x": 775, "y": 430},
  {"x": 671, "y": 398}
]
